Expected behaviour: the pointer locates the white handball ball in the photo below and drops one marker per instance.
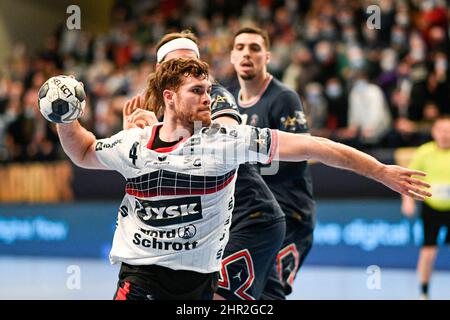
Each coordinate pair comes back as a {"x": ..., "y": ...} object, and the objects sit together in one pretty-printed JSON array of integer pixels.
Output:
[{"x": 62, "y": 99}]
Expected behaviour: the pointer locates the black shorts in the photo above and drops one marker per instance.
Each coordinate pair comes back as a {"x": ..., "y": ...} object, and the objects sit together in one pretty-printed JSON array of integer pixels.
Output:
[
  {"x": 248, "y": 257},
  {"x": 155, "y": 282},
  {"x": 296, "y": 246},
  {"x": 433, "y": 220}
]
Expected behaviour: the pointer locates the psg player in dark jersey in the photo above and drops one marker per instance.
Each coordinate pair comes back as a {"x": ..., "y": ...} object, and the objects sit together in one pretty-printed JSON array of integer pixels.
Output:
[
  {"x": 264, "y": 101},
  {"x": 258, "y": 223}
]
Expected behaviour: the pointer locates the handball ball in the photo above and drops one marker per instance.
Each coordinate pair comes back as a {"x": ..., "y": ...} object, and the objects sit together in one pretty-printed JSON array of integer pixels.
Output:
[{"x": 62, "y": 99}]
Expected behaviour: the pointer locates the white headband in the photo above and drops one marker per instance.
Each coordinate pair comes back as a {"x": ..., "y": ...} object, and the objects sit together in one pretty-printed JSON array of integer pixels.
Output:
[{"x": 176, "y": 44}]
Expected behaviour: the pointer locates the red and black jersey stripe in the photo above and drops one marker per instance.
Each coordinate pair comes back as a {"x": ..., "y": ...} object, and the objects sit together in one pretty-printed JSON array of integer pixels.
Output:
[{"x": 169, "y": 183}]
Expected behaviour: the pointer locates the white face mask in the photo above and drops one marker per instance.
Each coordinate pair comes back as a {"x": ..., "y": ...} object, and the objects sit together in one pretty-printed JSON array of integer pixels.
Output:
[
  {"x": 427, "y": 5},
  {"x": 357, "y": 62},
  {"x": 322, "y": 55},
  {"x": 387, "y": 64},
  {"x": 398, "y": 37},
  {"x": 441, "y": 64},
  {"x": 29, "y": 113},
  {"x": 333, "y": 90},
  {"x": 360, "y": 84},
  {"x": 402, "y": 19},
  {"x": 418, "y": 54}
]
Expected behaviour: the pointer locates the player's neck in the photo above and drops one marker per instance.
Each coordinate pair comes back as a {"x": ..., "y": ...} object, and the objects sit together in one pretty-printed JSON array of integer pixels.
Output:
[
  {"x": 251, "y": 89},
  {"x": 173, "y": 129}
]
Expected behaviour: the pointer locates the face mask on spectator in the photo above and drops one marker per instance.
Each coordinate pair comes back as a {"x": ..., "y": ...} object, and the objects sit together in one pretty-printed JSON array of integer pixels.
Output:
[
  {"x": 29, "y": 113},
  {"x": 387, "y": 64},
  {"x": 333, "y": 90},
  {"x": 349, "y": 36},
  {"x": 418, "y": 54},
  {"x": 313, "y": 95},
  {"x": 398, "y": 38},
  {"x": 428, "y": 5},
  {"x": 357, "y": 62},
  {"x": 402, "y": 19},
  {"x": 322, "y": 55},
  {"x": 441, "y": 64},
  {"x": 329, "y": 34},
  {"x": 360, "y": 84}
]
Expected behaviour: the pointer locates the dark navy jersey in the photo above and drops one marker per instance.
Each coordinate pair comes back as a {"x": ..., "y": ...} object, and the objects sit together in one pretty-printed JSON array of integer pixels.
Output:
[
  {"x": 279, "y": 107},
  {"x": 223, "y": 103},
  {"x": 253, "y": 199}
]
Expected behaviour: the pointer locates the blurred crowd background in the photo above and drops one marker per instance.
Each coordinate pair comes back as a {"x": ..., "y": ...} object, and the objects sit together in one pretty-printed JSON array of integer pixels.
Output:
[{"x": 369, "y": 88}]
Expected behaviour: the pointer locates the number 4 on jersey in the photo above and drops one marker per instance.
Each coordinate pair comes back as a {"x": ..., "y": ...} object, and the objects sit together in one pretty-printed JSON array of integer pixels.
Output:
[{"x": 133, "y": 151}]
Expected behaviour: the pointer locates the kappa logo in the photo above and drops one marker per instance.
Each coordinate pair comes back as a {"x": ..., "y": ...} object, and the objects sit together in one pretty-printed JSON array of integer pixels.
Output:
[
  {"x": 169, "y": 212},
  {"x": 187, "y": 232}
]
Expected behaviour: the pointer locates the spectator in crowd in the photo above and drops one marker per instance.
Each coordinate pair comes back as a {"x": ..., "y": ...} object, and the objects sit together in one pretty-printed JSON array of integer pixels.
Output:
[
  {"x": 368, "y": 116},
  {"x": 313, "y": 42}
]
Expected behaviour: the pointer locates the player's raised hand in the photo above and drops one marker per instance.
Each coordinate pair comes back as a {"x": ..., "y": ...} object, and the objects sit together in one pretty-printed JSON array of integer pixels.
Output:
[
  {"x": 134, "y": 116},
  {"x": 401, "y": 180}
]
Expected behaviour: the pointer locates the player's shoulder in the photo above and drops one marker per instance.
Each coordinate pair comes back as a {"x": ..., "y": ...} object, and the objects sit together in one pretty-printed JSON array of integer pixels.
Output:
[
  {"x": 281, "y": 95},
  {"x": 224, "y": 132},
  {"x": 222, "y": 98},
  {"x": 277, "y": 87},
  {"x": 121, "y": 138},
  {"x": 140, "y": 134},
  {"x": 218, "y": 88},
  {"x": 220, "y": 131}
]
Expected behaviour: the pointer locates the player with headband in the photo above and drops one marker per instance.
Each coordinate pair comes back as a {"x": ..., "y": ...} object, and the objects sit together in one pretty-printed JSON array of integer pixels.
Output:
[{"x": 258, "y": 225}]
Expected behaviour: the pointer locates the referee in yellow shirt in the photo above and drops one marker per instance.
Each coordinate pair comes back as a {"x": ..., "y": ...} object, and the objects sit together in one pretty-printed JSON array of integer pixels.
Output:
[{"x": 433, "y": 158}]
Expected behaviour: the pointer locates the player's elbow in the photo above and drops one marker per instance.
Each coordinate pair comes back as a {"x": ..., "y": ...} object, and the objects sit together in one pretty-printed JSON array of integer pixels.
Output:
[{"x": 85, "y": 158}]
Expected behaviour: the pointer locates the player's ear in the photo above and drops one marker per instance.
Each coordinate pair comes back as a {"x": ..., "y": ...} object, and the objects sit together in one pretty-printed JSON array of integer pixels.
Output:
[
  {"x": 168, "y": 97},
  {"x": 232, "y": 56},
  {"x": 268, "y": 57}
]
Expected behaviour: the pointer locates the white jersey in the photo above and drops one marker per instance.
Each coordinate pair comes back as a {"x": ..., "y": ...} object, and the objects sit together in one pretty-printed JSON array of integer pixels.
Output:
[{"x": 178, "y": 200}]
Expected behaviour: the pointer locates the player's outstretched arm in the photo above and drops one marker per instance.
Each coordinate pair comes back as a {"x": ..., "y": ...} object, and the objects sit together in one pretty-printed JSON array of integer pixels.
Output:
[
  {"x": 292, "y": 147},
  {"x": 79, "y": 145}
]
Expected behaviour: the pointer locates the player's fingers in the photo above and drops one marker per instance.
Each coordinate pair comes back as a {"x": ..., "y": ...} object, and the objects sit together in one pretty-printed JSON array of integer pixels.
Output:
[
  {"x": 418, "y": 182},
  {"x": 138, "y": 101},
  {"x": 127, "y": 109},
  {"x": 140, "y": 123},
  {"x": 140, "y": 116},
  {"x": 416, "y": 173},
  {"x": 415, "y": 196},
  {"x": 134, "y": 104},
  {"x": 419, "y": 191}
]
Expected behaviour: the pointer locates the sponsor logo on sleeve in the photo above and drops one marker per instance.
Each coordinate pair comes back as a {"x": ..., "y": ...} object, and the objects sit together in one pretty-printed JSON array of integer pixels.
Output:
[{"x": 102, "y": 145}]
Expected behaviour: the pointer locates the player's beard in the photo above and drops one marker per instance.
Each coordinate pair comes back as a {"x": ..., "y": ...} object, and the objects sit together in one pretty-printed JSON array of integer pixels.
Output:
[
  {"x": 204, "y": 117},
  {"x": 247, "y": 76},
  {"x": 194, "y": 119}
]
